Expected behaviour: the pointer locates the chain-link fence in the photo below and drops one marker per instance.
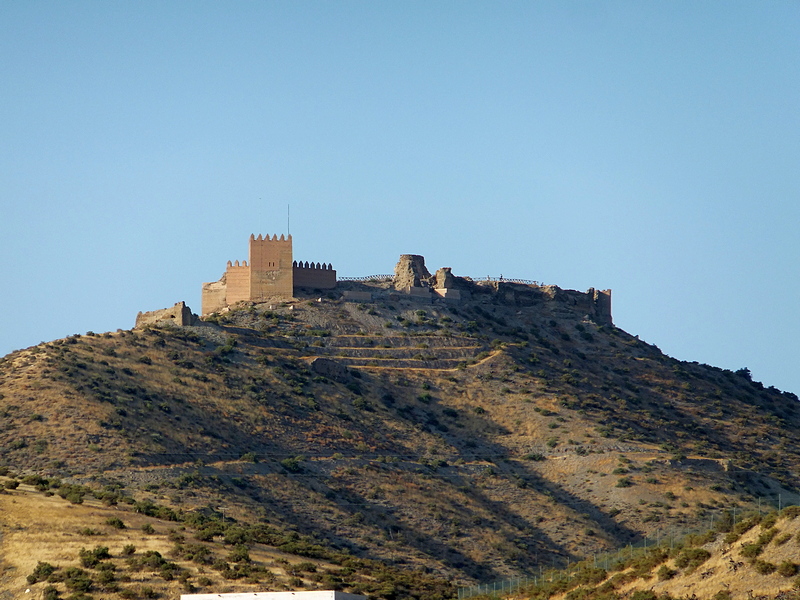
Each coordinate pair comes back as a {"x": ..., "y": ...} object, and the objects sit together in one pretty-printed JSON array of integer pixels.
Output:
[{"x": 666, "y": 537}]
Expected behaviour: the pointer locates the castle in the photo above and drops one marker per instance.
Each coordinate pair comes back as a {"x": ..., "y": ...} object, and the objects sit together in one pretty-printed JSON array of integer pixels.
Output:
[{"x": 270, "y": 272}]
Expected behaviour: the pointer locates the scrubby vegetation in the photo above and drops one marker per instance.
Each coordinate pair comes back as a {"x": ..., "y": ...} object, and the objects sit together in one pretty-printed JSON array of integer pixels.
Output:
[{"x": 469, "y": 442}]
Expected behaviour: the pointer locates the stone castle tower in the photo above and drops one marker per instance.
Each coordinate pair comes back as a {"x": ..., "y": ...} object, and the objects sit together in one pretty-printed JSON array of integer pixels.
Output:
[{"x": 270, "y": 273}]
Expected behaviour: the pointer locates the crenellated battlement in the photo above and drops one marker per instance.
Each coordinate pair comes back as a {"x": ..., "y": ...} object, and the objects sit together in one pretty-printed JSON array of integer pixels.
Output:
[
  {"x": 307, "y": 265},
  {"x": 269, "y": 272},
  {"x": 274, "y": 238}
]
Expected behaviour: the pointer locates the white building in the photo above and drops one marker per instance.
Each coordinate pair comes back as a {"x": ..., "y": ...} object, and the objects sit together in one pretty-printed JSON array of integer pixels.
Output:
[{"x": 317, "y": 595}]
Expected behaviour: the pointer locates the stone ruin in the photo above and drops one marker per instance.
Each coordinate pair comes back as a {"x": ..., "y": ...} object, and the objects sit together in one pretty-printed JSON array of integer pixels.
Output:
[
  {"x": 273, "y": 269},
  {"x": 179, "y": 315},
  {"x": 413, "y": 278}
]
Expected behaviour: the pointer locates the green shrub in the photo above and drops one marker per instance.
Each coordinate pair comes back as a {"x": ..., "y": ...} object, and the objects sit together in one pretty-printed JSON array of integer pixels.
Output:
[
  {"x": 769, "y": 520},
  {"x": 148, "y": 529},
  {"x": 665, "y": 573},
  {"x": 766, "y": 536},
  {"x": 731, "y": 537},
  {"x": 292, "y": 464},
  {"x": 782, "y": 539},
  {"x": 790, "y": 512},
  {"x": 751, "y": 550},
  {"x": 534, "y": 456},
  {"x": 42, "y": 571},
  {"x": 722, "y": 595},
  {"x": 148, "y": 592},
  {"x": 115, "y": 522},
  {"x": 643, "y": 565},
  {"x": 691, "y": 558},
  {"x": 50, "y": 593},
  {"x": 77, "y": 580},
  {"x": 764, "y": 567},
  {"x": 787, "y": 569},
  {"x": 239, "y": 554},
  {"x": 90, "y": 558}
]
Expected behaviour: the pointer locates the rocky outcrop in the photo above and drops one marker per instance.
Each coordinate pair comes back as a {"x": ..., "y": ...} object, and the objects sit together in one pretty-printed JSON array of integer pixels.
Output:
[
  {"x": 330, "y": 369},
  {"x": 444, "y": 279},
  {"x": 410, "y": 272}
]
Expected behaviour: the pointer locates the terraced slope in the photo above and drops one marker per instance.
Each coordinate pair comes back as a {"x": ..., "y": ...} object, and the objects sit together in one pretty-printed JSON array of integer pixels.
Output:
[
  {"x": 474, "y": 441},
  {"x": 430, "y": 353}
]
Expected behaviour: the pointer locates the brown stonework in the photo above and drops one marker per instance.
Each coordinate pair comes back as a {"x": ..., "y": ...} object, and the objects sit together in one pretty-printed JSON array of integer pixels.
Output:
[
  {"x": 410, "y": 272},
  {"x": 310, "y": 275},
  {"x": 444, "y": 279},
  {"x": 179, "y": 315},
  {"x": 270, "y": 273},
  {"x": 213, "y": 296},
  {"x": 601, "y": 305}
]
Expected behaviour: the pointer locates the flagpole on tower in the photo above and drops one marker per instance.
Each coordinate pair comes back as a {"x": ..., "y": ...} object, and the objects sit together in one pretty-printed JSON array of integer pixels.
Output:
[{"x": 288, "y": 231}]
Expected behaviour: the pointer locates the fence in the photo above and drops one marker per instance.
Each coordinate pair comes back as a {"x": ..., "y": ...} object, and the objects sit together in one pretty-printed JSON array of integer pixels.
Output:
[
  {"x": 606, "y": 560},
  {"x": 368, "y": 278},
  {"x": 501, "y": 279}
]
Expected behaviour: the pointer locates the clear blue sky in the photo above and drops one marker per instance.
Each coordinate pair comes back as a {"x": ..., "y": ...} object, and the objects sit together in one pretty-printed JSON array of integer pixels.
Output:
[{"x": 648, "y": 147}]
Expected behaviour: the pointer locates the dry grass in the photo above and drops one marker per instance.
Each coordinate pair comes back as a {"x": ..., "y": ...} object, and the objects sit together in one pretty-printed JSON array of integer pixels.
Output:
[
  {"x": 36, "y": 528},
  {"x": 148, "y": 409}
]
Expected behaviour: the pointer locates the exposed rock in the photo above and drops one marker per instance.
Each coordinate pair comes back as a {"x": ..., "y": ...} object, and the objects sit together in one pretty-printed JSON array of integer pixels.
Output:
[
  {"x": 444, "y": 279},
  {"x": 330, "y": 369},
  {"x": 410, "y": 272}
]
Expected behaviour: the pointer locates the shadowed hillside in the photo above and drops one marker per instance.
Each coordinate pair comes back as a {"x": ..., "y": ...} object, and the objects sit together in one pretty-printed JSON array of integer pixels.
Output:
[{"x": 471, "y": 441}]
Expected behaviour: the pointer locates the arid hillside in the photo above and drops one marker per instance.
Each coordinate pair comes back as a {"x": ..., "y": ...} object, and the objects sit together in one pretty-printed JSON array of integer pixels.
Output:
[
  {"x": 471, "y": 441},
  {"x": 754, "y": 556}
]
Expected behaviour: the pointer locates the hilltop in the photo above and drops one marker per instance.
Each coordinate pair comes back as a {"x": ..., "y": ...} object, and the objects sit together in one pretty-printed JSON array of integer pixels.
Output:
[{"x": 466, "y": 441}]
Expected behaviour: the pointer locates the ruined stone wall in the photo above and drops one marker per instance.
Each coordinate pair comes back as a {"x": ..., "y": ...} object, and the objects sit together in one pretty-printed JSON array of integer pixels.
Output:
[
  {"x": 601, "y": 302},
  {"x": 311, "y": 275},
  {"x": 213, "y": 296},
  {"x": 179, "y": 315},
  {"x": 410, "y": 272}
]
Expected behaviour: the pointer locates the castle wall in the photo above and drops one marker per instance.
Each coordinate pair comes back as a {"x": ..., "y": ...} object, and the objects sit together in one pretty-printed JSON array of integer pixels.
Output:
[
  {"x": 310, "y": 275},
  {"x": 179, "y": 316},
  {"x": 271, "y": 272},
  {"x": 237, "y": 278}
]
